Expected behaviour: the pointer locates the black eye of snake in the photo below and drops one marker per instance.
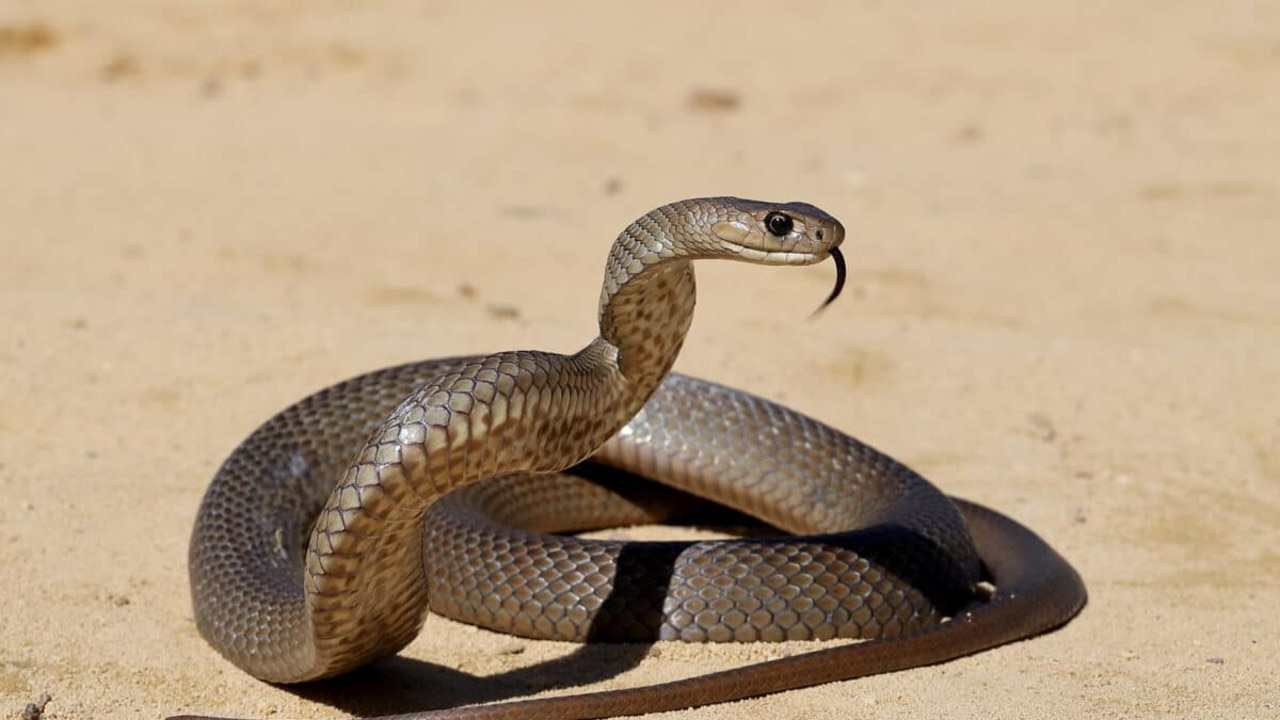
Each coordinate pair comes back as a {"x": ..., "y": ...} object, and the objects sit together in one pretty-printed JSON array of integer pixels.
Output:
[{"x": 778, "y": 224}]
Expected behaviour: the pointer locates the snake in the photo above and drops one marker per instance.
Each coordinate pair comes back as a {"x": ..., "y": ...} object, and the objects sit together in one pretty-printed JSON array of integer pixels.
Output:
[{"x": 455, "y": 484}]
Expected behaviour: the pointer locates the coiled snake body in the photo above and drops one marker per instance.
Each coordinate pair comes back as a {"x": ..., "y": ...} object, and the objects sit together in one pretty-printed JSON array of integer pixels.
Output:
[{"x": 297, "y": 577}]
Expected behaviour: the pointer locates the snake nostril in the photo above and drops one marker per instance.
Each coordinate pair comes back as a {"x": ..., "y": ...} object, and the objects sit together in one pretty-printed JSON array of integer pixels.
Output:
[{"x": 819, "y": 234}]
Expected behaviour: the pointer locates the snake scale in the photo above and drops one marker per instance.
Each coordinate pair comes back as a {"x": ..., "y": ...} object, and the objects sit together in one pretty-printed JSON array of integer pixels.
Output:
[{"x": 320, "y": 541}]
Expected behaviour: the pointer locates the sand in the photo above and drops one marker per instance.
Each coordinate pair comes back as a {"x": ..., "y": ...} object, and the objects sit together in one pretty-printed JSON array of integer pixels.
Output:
[{"x": 1064, "y": 228}]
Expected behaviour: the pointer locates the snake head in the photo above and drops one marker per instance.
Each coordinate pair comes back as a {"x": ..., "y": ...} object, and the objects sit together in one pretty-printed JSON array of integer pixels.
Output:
[
  {"x": 761, "y": 233},
  {"x": 770, "y": 233},
  {"x": 778, "y": 234}
]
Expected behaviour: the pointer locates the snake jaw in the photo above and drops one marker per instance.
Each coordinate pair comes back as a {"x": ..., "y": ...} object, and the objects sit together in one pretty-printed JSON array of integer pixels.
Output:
[{"x": 774, "y": 257}]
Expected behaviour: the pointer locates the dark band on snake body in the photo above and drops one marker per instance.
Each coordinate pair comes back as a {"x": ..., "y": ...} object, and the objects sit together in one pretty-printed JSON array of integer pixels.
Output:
[{"x": 307, "y": 554}]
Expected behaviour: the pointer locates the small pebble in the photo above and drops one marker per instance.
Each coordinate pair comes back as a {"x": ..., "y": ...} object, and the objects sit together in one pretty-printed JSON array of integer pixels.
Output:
[{"x": 34, "y": 710}]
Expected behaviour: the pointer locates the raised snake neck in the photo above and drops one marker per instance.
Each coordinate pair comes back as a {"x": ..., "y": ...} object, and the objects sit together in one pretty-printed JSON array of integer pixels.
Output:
[{"x": 289, "y": 611}]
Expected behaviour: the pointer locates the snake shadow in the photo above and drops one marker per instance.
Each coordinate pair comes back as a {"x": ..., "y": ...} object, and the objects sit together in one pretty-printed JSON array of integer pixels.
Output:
[{"x": 401, "y": 685}]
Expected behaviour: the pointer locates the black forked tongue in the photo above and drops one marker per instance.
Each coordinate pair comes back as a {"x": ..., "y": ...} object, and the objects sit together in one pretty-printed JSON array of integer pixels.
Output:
[{"x": 835, "y": 291}]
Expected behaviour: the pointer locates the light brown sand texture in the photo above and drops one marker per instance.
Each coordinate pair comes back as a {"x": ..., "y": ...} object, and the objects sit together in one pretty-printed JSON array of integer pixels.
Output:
[{"x": 1064, "y": 226}]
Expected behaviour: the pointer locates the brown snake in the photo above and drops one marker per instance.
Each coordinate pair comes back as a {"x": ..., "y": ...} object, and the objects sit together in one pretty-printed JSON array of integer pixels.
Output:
[{"x": 310, "y": 558}]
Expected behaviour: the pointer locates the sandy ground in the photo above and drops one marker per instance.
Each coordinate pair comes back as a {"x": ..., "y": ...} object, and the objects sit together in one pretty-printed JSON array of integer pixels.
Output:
[{"x": 1065, "y": 232}]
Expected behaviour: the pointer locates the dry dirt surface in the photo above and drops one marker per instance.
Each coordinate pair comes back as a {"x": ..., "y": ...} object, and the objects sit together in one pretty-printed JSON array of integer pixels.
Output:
[{"x": 1064, "y": 227}]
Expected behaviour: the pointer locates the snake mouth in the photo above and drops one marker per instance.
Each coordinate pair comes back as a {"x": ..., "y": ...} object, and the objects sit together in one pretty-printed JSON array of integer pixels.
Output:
[{"x": 778, "y": 257}]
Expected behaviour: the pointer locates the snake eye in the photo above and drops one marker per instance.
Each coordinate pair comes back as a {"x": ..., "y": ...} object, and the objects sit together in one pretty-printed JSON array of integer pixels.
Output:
[{"x": 779, "y": 224}]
